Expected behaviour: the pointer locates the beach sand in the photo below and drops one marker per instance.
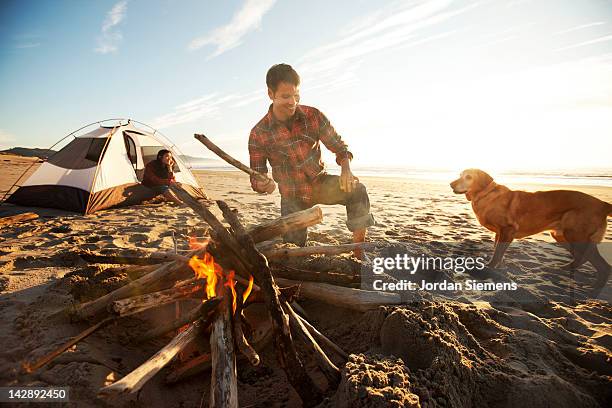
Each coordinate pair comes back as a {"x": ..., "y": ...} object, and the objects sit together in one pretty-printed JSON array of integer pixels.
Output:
[{"x": 545, "y": 344}]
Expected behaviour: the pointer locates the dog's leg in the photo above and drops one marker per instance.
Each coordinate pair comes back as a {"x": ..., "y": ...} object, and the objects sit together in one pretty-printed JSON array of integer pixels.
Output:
[
  {"x": 502, "y": 242},
  {"x": 579, "y": 251},
  {"x": 601, "y": 265}
]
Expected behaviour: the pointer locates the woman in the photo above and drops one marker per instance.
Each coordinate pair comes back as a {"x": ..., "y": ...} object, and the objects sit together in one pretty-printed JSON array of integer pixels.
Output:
[{"x": 158, "y": 175}]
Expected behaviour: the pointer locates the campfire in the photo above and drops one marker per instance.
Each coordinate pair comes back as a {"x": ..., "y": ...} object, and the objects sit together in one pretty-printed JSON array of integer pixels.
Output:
[{"x": 229, "y": 275}]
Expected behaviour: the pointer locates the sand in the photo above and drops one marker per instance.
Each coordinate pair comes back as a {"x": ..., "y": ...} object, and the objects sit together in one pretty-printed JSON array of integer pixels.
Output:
[{"x": 546, "y": 344}]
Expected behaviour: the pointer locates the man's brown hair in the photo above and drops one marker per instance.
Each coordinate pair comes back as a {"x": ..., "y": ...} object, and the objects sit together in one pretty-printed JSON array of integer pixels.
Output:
[{"x": 281, "y": 73}]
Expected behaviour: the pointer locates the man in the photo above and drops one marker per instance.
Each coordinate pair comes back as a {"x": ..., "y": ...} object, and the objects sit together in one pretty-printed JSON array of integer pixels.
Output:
[
  {"x": 288, "y": 137},
  {"x": 158, "y": 175}
]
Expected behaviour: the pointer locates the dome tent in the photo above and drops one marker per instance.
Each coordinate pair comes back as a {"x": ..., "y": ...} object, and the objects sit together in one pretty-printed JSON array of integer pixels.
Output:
[{"x": 101, "y": 169}]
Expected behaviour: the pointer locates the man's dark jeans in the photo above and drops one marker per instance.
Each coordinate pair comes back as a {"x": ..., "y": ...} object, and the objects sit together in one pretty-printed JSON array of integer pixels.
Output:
[{"x": 327, "y": 191}]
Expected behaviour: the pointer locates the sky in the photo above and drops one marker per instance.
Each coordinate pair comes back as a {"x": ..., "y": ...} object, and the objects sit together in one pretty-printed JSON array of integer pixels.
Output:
[{"x": 432, "y": 84}]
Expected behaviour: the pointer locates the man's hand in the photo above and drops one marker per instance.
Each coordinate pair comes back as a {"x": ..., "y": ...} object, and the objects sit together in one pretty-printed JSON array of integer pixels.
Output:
[
  {"x": 266, "y": 186},
  {"x": 347, "y": 180}
]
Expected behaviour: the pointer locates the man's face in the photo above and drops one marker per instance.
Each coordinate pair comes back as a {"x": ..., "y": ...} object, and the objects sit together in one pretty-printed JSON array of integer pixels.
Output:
[{"x": 284, "y": 100}]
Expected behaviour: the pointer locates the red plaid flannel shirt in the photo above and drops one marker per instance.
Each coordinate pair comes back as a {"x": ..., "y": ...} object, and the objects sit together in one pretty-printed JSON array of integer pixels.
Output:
[{"x": 294, "y": 154}]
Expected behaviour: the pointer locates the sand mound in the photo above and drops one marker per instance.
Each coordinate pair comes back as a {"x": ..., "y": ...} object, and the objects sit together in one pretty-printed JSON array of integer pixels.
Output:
[
  {"x": 461, "y": 355},
  {"x": 374, "y": 382}
]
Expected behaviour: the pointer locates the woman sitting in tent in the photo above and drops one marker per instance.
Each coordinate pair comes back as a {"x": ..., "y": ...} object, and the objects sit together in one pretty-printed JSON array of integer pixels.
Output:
[{"x": 158, "y": 175}]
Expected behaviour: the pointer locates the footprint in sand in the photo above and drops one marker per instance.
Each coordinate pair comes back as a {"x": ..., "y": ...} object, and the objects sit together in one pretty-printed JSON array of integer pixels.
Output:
[{"x": 138, "y": 238}]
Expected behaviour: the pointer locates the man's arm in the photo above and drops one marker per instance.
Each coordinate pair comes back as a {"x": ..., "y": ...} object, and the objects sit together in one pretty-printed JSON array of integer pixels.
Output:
[
  {"x": 336, "y": 145},
  {"x": 258, "y": 162}
]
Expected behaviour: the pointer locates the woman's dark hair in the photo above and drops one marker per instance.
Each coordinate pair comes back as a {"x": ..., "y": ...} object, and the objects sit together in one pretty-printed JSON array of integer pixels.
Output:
[
  {"x": 161, "y": 153},
  {"x": 281, "y": 73}
]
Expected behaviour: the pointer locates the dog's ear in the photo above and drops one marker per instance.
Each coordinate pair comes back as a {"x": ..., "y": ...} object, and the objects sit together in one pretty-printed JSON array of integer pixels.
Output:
[{"x": 483, "y": 179}]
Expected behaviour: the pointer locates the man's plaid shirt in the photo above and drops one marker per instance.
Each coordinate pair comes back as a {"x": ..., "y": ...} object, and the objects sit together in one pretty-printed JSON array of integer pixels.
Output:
[{"x": 294, "y": 154}]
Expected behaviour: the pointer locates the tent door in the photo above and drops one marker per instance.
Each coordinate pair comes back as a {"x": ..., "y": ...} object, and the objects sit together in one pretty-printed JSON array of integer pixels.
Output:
[{"x": 130, "y": 147}]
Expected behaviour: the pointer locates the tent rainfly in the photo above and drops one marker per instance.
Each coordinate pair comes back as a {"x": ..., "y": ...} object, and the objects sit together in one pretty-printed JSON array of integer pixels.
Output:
[{"x": 100, "y": 169}]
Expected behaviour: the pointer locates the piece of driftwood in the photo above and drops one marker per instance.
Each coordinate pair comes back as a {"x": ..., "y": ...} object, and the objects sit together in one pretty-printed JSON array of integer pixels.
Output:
[
  {"x": 47, "y": 358},
  {"x": 190, "y": 367},
  {"x": 140, "y": 303},
  {"x": 296, "y": 373},
  {"x": 241, "y": 342},
  {"x": 262, "y": 232},
  {"x": 287, "y": 223},
  {"x": 327, "y": 367},
  {"x": 320, "y": 337},
  {"x": 224, "y": 380},
  {"x": 136, "y": 379},
  {"x": 135, "y": 271},
  {"x": 287, "y": 272},
  {"x": 14, "y": 219},
  {"x": 257, "y": 319},
  {"x": 218, "y": 232},
  {"x": 161, "y": 278},
  {"x": 355, "y": 299},
  {"x": 129, "y": 259},
  {"x": 229, "y": 159},
  {"x": 317, "y": 250},
  {"x": 289, "y": 294},
  {"x": 205, "y": 309}
]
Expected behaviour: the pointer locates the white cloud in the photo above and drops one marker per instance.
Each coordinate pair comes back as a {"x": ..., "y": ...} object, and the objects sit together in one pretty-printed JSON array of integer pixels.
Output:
[
  {"x": 111, "y": 36},
  {"x": 26, "y": 40},
  {"x": 580, "y": 27},
  {"x": 397, "y": 25},
  {"x": 582, "y": 44},
  {"x": 27, "y": 45},
  {"x": 204, "y": 106},
  {"x": 229, "y": 36}
]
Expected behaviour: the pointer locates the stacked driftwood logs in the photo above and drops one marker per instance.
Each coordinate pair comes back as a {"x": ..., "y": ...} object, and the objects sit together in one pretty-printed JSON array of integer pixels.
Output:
[{"x": 244, "y": 278}]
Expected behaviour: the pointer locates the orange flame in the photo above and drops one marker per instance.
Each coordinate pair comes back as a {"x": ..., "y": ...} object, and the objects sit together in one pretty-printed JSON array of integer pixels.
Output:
[
  {"x": 206, "y": 268},
  {"x": 248, "y": 290},
  {"x": 232, "y": 285},
  {"x": 195, "y": 243}
]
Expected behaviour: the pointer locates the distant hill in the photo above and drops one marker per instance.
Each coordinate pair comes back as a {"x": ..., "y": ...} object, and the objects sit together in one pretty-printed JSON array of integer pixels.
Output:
[
  {"x": 44, "y": 153},
  {"x": 200, "y": 160},
  {"x": 29, "y": 152}
]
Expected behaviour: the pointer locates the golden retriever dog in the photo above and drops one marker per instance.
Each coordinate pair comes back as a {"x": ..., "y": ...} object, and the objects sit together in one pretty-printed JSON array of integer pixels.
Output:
[{"x": 576, "y": 220}]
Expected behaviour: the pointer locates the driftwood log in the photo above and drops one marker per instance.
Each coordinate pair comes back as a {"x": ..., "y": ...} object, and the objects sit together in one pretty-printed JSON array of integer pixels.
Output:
[
  {"x": 165, "y": 275},
  {"x": 329, "y": 370},
  {"x": 323, "y": 339},
  {"x": 137, "y": 378},
  {"x": 316, "y": 250},
  {"x": 224, "y": 380},
  {"x": 287, "y": 272},
  {"x": 241, "y": 342},
  {"x": 47, "y": 358},
  {"x": 355, "y": 299},
  {"x": 128, "y": 259},
  {"x": 190, "y": 367},
  {"x": 229, "y": 159},
  {"x": 287, "y": 223},
  {"x": 140, "y": 303},
  {"x": 296, "y": 373},
  {"x": 205, "y": 309},
  {"x": 134, "y": 272}
]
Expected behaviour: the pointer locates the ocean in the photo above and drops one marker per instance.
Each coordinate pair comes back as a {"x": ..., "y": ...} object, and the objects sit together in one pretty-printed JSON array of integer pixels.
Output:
[{"x": 578, "y": 177}]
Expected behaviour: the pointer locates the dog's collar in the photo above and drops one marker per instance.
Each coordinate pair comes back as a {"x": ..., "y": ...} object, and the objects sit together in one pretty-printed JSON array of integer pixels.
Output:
[
  {"x": 490, "y": 187},
  {"x": 479, "y": 194}
]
